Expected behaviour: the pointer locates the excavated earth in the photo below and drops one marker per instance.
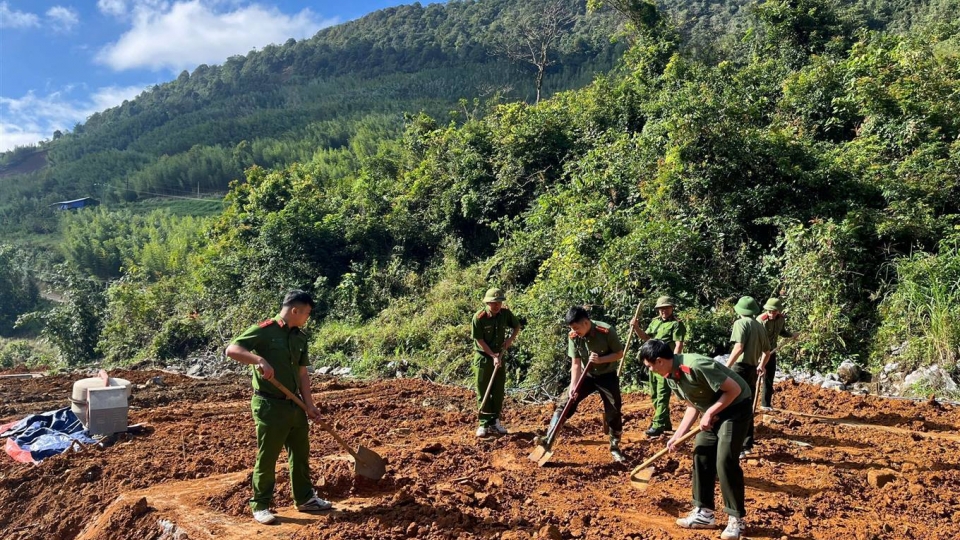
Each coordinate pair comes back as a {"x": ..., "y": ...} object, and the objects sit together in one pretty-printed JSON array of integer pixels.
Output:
[{"x": 828, "y": 466}]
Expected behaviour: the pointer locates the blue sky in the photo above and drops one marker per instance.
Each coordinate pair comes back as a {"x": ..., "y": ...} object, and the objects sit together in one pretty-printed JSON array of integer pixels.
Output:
[{"x": 63, "y": 60}]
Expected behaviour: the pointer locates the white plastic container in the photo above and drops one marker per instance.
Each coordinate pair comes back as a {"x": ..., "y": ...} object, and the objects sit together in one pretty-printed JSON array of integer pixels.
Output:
[{"x": 109, "y": 411}]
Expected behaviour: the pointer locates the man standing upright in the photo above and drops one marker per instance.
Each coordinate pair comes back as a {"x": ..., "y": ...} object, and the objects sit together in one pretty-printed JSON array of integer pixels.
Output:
[
  {"x": 775, "y": 324},
  {"x": 489, "y": 332},
  {"x": 277, "y": 349},
  {"x": 750, "y": 345},
  {"x": 667, "y": 328}
]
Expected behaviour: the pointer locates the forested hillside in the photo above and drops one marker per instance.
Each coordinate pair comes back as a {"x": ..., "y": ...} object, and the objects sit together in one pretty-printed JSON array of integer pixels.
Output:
[
  {"x": 806, "y": 156},
  {"x": 349, "y": 85}
]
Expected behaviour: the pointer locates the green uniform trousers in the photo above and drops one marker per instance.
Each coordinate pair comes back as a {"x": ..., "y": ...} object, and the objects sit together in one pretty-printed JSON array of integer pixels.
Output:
[
  {"x": 483, "y": 369},
  {"x": 660, "y": 395},
  {"x": 281, "y": 423},
  {"x": 716, "y": 453}
]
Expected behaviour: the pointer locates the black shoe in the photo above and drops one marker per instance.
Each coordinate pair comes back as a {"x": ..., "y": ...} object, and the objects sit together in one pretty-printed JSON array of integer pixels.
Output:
[
  {"x": 617, "y": 455},
  {"x": 655, "y": 431}
]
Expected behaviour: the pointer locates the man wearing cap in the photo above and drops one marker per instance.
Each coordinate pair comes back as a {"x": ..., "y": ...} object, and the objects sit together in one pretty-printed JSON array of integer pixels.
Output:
[
  {"x": 776, "y": 326},
  {"x": 489, "y": 332},
  {"x": 594, "y": 343},
  {"x": 750, "y": 345},
  {"x": 667, "y": 328},
  {"x": 723, "y": 401}
]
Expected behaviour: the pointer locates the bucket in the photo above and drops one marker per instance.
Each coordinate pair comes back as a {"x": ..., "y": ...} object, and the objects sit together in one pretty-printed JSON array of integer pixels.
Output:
[{"x": 78, "y": 400}]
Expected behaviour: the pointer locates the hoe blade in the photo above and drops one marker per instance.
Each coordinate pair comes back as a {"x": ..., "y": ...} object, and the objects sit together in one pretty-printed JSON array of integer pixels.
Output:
[
  {"x": 369, "y": 464},
  {"x": 641, "y": 479}
]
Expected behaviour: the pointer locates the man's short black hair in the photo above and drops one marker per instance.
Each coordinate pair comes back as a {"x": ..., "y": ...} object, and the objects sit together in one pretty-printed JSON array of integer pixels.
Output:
[
  {"x": 297, "y": 296},
  {"x": 653, "y": 349},
  {"x": 574, "y": 314}
]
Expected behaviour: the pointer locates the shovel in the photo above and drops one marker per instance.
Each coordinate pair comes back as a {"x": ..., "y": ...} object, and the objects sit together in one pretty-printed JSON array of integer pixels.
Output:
[
  {"x": 640, "y": 476},
  {"x": 544, "y": 451},
  {"x": 366, "y": 462},
  {"x": 489, "y": 387},
  {"x": 626, "y": 347}
]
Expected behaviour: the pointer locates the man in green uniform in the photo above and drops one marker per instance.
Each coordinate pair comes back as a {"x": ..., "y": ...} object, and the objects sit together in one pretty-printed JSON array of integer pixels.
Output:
[
  {"x": 277, "y": 348},
  {"x": 665, "y": 327},
  {"x": 724, "y": 401},
  {"x": 595, "y": 342},
  {"x": 776, "y": 326},
  {"x": 750, "y": 345},
  {"x": 489, "y": 332}
]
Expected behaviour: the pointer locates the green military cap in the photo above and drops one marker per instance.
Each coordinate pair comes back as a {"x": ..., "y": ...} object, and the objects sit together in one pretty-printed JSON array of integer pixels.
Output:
[
  {"x": 664, "y": 301},
  {"x": 494, "y": 295},
  {"x": 747, "y": 306},
  {"x": 773, "y": 304}
]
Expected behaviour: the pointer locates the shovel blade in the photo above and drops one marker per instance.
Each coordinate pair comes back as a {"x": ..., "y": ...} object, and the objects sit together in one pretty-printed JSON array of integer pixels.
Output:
[
  {"x": 641, "y": 479},
  {"x": 539, "y": 452},
  {"x": 545, "y": 459},
  {"x": 369, "y": 464}
]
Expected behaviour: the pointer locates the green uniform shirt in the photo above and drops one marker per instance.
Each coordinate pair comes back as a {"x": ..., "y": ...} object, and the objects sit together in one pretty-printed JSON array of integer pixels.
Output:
[
  {"x": 492, "y": 329},
  {"x": 283, "y": 347},
  {"x": 697, "y": 379},
  {"x": 601, "y": 339},
  {"x": 751, "y": 334},
  {"x": 776, "y": 328},
  {"x": 669, "y": 330}
]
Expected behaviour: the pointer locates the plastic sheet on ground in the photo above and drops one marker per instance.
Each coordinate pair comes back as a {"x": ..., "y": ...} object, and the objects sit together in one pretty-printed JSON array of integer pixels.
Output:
[{"x": 40, "y": 436}]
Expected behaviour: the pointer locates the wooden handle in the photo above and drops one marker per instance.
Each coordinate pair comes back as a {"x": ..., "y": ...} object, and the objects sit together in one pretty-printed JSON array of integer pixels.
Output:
[
  {"x": 489, "y": 386},
  {"x": 321, "y": 424},
  {"x": 756, "y": 397},
  {"x": 563, "y": 414},
  {"x": 659, "y": 454},
  {"x": 626, "y": 347}
]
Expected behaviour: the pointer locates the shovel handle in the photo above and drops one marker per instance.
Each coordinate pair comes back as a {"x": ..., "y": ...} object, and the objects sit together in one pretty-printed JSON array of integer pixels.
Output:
[
  {"x": 563, "y": 414},
  {"x": 321, "y": 424},
  {"x": 659, "y": 454},
  {"x": 489, "y": 386},
  {"x": 756, "y": 394},
  {"x": 630, "y": 332}
]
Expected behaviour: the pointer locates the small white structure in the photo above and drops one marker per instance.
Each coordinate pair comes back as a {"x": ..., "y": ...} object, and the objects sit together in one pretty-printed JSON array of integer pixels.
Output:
[{"x": 101, "y": 404}]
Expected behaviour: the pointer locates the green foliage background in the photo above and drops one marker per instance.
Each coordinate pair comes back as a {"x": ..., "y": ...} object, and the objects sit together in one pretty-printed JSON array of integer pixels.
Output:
[{"x": 811, "y": 150}]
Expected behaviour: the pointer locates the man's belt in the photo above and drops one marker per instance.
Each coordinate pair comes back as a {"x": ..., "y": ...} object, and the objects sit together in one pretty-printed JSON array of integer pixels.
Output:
[{"x": 268, "y": 396}]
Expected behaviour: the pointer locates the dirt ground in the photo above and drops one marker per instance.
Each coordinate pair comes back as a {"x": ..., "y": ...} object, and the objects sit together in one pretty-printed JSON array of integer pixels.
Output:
[{"x": 829, "y": 466}]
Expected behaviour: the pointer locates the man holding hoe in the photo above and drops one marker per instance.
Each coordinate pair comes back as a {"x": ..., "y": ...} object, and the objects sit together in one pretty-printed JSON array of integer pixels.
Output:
[
  {"x": 724, "y": 401},
  {"x": 596, "y": 344},
  {"x": 489, "y": 332},
  {"x": 277, "y": 348}
]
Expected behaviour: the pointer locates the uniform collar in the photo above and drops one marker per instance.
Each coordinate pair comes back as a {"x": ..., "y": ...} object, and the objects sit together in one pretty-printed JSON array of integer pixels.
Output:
[
  {"x": 675, "y": 369},
  {"x": 283, "y": 324}
]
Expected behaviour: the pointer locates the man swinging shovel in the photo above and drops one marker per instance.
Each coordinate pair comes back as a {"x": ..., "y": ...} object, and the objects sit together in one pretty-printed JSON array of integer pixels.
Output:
[
  {"x": 597, "y": 342},
  {"x": 723, "y": 400}
]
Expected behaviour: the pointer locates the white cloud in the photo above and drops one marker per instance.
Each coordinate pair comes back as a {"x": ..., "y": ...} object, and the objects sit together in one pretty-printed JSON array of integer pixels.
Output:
[
  {"x": 63, "y": 19},
  {"x": 186, "y": 34},
  {"x": 11, "y": 18},
  {"x": 115, "y": 8},
  {"x": 32, "y": 118}
]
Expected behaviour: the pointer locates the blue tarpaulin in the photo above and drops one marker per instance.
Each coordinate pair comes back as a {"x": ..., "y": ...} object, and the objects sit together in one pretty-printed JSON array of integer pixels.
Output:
[{"x": 46, "y": 434}]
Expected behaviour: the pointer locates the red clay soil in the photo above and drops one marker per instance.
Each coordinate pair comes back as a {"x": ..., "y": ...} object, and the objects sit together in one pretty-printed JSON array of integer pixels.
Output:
[{"x": 836, "y": 467}]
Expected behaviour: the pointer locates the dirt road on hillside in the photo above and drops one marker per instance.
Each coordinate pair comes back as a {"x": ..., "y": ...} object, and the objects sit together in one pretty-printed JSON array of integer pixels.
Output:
[{"x": 838, "y": 466}]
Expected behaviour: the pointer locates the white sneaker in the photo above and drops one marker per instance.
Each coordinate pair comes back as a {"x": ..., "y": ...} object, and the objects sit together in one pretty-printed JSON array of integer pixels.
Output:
[
  {"x": 734, "y": 529},
  {"x": 498, "y": 427},
  {"x": 315, "y": 504},
  {"x": 698, "y": 518},
  {"x": 264, "y": 517},
  {"x": 484, "y": 431}
]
